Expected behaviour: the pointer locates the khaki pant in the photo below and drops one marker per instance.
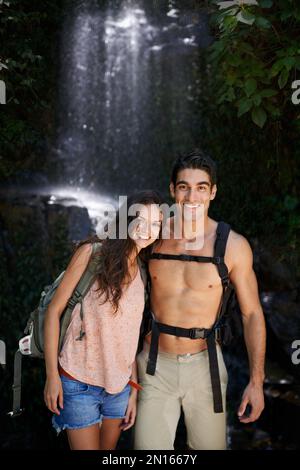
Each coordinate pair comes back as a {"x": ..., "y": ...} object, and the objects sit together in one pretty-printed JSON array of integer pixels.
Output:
[{"x": 179, "y": 381}]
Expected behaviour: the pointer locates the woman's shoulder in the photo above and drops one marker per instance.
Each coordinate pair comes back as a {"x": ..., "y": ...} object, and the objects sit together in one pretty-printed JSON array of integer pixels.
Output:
[{"x": 85, "y": 249}]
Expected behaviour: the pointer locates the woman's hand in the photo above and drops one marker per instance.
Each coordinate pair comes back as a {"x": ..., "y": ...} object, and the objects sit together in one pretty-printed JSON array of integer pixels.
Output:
[
  {"x": 129, "y": 419},
  {"x": 53, "y": 391}
]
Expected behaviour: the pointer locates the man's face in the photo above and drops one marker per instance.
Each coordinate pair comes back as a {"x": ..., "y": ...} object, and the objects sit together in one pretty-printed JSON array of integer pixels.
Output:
[{"x": 193, "y": 192}]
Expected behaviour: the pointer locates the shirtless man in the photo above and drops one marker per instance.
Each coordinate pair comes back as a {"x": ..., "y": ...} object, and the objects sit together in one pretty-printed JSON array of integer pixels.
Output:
[{"x": 188, "y": 295}]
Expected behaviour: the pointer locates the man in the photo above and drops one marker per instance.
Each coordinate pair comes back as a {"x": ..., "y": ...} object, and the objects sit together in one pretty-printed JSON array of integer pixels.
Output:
[{"x": 181, "y": 364}]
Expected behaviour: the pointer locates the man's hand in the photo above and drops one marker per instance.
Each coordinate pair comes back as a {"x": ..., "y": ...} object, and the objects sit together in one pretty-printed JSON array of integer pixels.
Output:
[{"x": 254, "y": 397}]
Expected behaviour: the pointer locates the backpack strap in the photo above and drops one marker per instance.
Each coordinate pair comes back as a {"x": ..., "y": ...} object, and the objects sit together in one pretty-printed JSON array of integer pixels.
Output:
[
  {"x": 17, "y": 411},
  {"x": 82, "y": 288},
  {"x": 223, "y": 230}
]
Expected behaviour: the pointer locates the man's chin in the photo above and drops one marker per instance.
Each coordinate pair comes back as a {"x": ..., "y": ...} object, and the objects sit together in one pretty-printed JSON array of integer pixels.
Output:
[
  {"x": 192, "y": 212},
  {"x": 193, "y": 216}
]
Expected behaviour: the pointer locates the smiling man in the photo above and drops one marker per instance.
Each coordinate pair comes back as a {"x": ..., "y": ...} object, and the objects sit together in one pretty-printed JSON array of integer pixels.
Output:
[{"x": 181, "y": 364}]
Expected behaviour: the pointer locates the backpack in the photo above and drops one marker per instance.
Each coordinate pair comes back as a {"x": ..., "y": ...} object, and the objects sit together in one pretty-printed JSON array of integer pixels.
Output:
[
  {"x": 229, "y": 320},
  {"x": 32, "y": 344}
]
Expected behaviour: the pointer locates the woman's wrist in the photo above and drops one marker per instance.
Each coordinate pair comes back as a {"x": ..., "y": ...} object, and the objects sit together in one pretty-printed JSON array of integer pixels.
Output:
[
  {"x": 52, "y": 373},
  {"x": 133, "y": 393}
]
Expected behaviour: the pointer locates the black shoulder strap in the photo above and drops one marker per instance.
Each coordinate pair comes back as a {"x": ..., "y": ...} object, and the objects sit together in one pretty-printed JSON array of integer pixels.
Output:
[{"x": 223, "y": 230}]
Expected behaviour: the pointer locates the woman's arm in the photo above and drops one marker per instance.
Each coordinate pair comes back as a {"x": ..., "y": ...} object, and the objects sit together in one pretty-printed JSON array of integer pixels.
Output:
[
  {"x": 131, "y": 409},
  {"x": 73, "y": 273}
]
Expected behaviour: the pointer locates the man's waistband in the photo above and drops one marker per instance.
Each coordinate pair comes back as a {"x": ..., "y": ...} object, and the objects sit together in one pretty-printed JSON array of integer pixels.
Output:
[{"x": 177, "y": 357}]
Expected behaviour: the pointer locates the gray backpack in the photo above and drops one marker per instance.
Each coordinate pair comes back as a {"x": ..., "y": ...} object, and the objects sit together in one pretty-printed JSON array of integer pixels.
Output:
[{"x": 32, "y": 344}]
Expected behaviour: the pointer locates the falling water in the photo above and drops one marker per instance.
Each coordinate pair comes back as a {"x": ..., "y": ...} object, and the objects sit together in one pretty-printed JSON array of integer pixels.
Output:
[{"x": 128, "y": 93}]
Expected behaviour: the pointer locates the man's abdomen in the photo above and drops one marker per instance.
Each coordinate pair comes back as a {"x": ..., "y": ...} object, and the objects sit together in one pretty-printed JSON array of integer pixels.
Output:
[{"x": 187, "y": 309}]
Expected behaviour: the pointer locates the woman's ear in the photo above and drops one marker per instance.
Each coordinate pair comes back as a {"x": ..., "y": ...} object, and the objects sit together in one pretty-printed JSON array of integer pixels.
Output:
[{"x": 172, "y": 190}]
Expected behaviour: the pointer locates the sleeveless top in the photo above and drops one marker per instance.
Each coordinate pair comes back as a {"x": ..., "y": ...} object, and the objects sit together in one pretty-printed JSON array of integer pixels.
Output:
[{"x": 105, "y": 355}]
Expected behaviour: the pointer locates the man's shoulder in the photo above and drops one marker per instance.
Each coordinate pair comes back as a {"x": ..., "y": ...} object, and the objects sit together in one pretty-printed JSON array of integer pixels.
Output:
[
  {"x": 237, "y": 239},
  {"x": 238, "y": 247}
]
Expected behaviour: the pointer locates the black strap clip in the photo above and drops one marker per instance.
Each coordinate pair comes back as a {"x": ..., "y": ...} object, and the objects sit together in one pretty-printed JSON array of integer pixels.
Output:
[{"x": 197, "y": 333}]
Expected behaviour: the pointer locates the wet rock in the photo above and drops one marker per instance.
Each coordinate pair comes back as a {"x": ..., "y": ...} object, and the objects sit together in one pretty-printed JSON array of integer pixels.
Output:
[
  {"x": 282, "y": 313},
  {"x": 274, "y": 274}
]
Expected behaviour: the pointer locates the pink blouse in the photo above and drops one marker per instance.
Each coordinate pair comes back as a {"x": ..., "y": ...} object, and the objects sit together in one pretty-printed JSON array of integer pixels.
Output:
[{"x": 105, "y": 355}]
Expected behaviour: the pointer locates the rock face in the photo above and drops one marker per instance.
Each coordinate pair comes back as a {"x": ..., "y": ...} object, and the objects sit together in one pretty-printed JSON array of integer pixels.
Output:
[
  {"x": 36, "y": 225},
  {"x": 282, "y": 313},
  {"x": 36, "y": 241},
  {"x": 274, "y": 273},
  {"x": 279, "y": 294}
]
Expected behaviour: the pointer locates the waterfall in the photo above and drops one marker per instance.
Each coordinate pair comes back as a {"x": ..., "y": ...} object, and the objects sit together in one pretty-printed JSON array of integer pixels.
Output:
[{"x": 128, "y": 93}]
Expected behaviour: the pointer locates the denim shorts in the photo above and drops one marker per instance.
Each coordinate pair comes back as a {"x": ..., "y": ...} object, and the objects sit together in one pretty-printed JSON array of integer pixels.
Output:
[{"x": 85, "y": 405}]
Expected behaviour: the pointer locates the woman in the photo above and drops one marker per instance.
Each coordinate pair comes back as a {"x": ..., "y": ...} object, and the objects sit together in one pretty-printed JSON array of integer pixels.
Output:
[{"x": 87, "y": 383}]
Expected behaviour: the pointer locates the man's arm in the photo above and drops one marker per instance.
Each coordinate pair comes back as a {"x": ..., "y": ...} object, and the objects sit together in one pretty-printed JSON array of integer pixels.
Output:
[{"x": 245, "y": 283}]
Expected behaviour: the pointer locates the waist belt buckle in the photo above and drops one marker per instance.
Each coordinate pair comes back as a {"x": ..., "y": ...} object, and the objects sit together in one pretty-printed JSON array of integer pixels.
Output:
[
  {"x": 218, "y": 334},
  {"x": 197, "y": 333}
]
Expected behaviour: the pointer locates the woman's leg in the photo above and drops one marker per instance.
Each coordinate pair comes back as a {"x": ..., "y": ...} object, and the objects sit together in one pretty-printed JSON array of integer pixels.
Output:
[
  {"x": 109, "y": 433},
  {"x": 84, "y": 439}
]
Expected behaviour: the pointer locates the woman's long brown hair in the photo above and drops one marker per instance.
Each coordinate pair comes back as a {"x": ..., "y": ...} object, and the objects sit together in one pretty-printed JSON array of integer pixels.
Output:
[{"x": 112, "y": 259}]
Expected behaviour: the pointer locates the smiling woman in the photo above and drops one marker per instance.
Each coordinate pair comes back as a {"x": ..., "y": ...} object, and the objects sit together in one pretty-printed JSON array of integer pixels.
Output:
[{"x": 89, "y": 382}]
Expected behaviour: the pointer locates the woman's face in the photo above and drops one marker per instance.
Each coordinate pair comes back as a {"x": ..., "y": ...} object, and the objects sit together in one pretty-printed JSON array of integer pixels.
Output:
[{"x": 144, "y": 229}]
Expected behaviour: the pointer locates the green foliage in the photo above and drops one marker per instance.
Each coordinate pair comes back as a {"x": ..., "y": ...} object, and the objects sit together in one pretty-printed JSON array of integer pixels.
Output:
[
  {"x": 249, "y": 123},
  {"x": 30, "y": 236},
  {"x": 28, "y": 37},
  {"x": 256, "y": 56}
]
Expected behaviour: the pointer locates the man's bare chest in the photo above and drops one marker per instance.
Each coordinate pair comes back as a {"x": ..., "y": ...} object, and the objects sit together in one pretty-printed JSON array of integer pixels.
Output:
[{"x": 181, "y": 274}]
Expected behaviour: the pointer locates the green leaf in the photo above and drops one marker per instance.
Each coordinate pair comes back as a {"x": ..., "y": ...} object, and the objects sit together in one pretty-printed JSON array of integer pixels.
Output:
[
  {"x": 283, "y": 78},
  {"x": 256, "y": 99},
  {"x": 245, "y": 17},
  {"x": 244, "y": 106},
  {"x": 273, "y": 110},
  {"x": 262, "y": 22},
  {"x": 234, "y": 60},
  {"x": 290, "y": 202},
  {"x": 285, "y": 15},
  {"x": 289, "y": 62},
  {"x": 250, "y": 86},
  {"x": 259, "y": 116},
  {"x": 257, "y": 70},
  {"x": 229, "y": 23},
  {"x": 297, "y": 63},
  {"x": 230, "y": 94},
  {"x": 276, "y": 67},
  {"x": 266, "y": 3},
  {"x": 268, "y": 92}
]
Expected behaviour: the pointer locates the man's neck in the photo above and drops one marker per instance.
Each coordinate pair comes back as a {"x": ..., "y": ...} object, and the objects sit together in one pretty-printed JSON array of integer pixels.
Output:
[
  {"x": 193, "y": 239},
  {"x": 200, "y": 229}
]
